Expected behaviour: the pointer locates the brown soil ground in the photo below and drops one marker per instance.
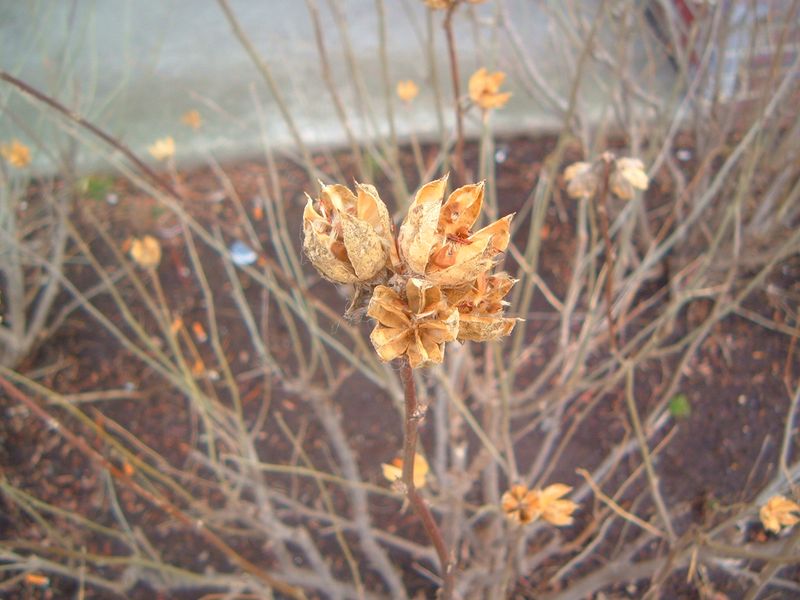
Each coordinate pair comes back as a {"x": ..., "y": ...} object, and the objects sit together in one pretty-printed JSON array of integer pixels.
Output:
[{"x": 719, "y": 455}]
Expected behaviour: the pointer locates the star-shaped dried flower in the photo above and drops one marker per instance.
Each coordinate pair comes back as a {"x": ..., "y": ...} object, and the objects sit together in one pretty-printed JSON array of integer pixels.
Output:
[
  {"x": 436, "y": 242},
  {"x": 484, "y": 89},
  {"x": 628, "y": 175},
  {"x": 16, "y": 154},
  {"x": 480, "y": 306},
  {"x": 407, "y": 90},
  {"x": 416, "y": 324},
  {"x": 518, "y": 505},
  {"x": 162, "y": 149},
  {"x": 523, "y": 506},
  {"x": 779, "y": 512},
  {"x": 192, "y": 118},
  {"x": 347, "y": 237},
  {"x": 146, "y": 251},
  {"x": 394, "y": 470}
]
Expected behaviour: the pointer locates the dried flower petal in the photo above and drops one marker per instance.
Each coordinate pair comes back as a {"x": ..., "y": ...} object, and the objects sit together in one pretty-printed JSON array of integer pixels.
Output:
[
  {"x": 418, "y": 233},
  {"x": 581, "y": 180},
  {"x": 162, "y": 148},
  {"x": 146, "y": 251},
  {"x": 779, "y": 512},
  {"x": 407, "y": 90},
  {"x": 628, "y": 175},
  {"x": 394, "y": 471},
  {"x": 347, "y": 236},
  {"x": 16, "y": 154},
  {"x": 484, "y": 89}
]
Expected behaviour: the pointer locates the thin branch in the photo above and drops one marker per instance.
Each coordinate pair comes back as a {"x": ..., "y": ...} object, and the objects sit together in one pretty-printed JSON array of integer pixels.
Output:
[{"x": 413, "y": 415}]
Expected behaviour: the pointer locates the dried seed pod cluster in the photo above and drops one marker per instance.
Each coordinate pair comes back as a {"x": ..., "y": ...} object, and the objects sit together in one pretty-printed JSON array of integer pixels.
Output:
[
  {"x": 429, "y": 285},
  {"x": 626, "y": 175}
]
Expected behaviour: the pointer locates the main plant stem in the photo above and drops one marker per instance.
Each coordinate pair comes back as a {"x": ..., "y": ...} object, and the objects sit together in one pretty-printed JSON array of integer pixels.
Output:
[
  {"x": 602, "y": 211},
  {"x": 415, "y": 414}
]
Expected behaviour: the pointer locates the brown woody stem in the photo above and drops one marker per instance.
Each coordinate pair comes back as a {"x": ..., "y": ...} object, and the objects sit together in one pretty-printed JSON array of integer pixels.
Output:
[
  {"x": 414, "y": 415},
  {"x": 602, "y": 211},
  {"x": 458, "y": 155}
]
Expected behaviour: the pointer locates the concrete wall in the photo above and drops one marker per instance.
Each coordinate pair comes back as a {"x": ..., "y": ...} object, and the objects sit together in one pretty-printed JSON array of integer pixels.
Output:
[{"x": 135, "y": 66}]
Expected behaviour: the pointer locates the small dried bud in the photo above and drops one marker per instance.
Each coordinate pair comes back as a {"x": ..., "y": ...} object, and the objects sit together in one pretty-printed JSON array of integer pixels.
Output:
[
  {"x": 582, "y": 182},
  {"x": 407, "y": 90},
  {"x": 347, "y": 236},
  {"x": 523, "y": 506},
  {"x": 628, "y": 175},
  {"x": 417, "y": 325},
  {"x": 779, "y": 512},
  {"x": 484, "y": 89}
]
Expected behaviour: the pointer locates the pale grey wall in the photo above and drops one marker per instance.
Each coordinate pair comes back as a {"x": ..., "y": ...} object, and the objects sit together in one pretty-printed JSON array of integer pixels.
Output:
[{"x": 134, "y": 66}]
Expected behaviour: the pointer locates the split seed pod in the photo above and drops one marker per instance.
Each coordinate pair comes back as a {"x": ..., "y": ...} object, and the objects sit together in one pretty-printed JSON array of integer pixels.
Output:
[
  {"x": 417, "y": 325},
  {"x": 347, "y": 236},
  {"x": 435, "y": 240},
  {"x": 480, "y": 306}
]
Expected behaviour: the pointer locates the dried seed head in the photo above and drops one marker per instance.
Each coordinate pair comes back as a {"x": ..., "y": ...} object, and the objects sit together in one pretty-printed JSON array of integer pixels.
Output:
[
  {"x": 436, "y": 242},
  {"x": 582, "y": 181},
  {"x": 555, "y": 509},
  {"x": 347, "y": 236},
  {"x": 16, "y": 154},
  {"x": 484, "y": 89},
  {"x": 407, "y": 90},
  {"x": 480, "y": 306},
  {"x": 146, "y": 251},
  {"x": 394, "y": 471},
  {"x": 517, "y": 503},
  {"x": 416, "y": 324},
  {"x": 628, "y": 176},
  {"x": 162, "y": 149},
  {"x": 779, "y": 512},
  {"x": 192, "y": 118},
  {"x": 523, "y": 506}
]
